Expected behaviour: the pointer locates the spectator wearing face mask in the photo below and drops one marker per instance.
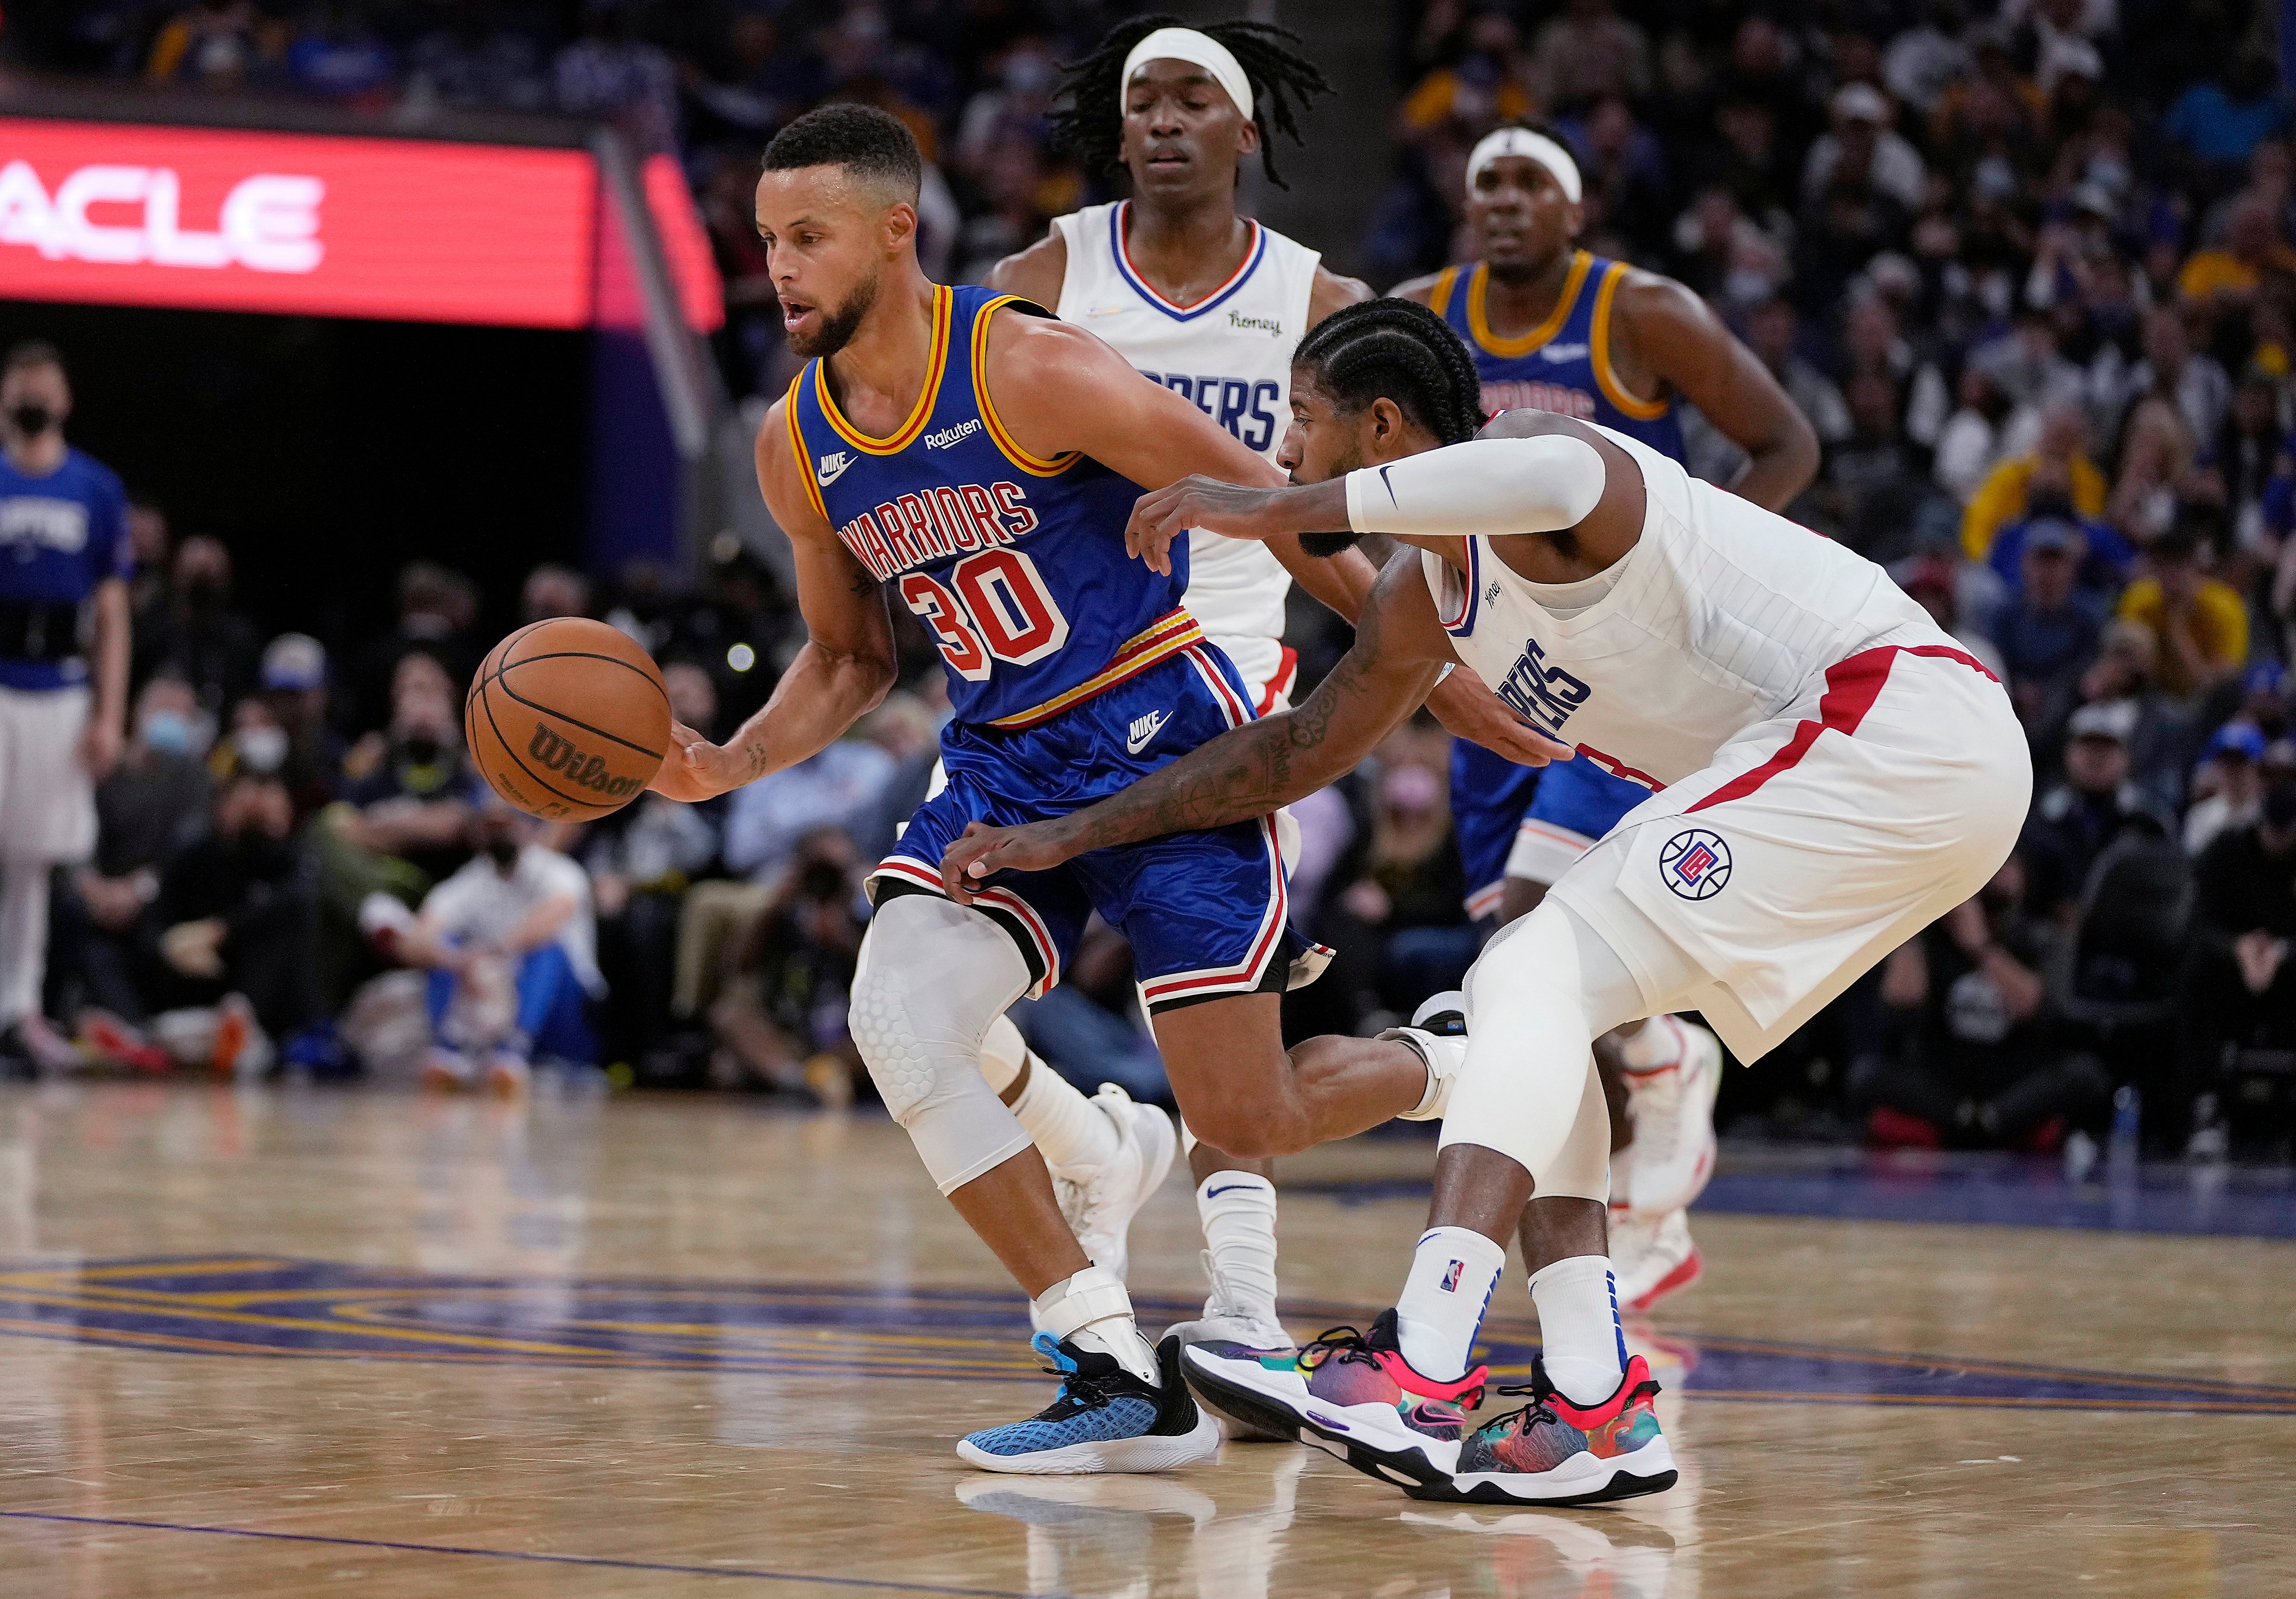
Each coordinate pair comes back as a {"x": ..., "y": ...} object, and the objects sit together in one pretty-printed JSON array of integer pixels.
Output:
[
  {"x": 2228, "y": 789},
  {"x": 2094, "y": 804},
  {"x": 154, "y": 805},
  {"x": 295, "y": 691},
  {"x": 510, "y": 943},
  {"x": 410, "y": 788},
  {"x": 202, "y": 638},
  {"x": 64, "y": 558},
  {"x": 436, "y": 610},
  {"x": 231, "y": 927}
]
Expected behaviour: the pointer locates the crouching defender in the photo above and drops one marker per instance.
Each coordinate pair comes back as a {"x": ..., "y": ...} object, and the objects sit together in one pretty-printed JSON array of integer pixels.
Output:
[
  {"x": 963, "y": 452},
  {"x": 1834, "y": 773}
]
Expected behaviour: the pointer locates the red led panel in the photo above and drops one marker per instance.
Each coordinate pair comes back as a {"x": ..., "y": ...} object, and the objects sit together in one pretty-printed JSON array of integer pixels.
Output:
[{"x": 394, "y": 228}]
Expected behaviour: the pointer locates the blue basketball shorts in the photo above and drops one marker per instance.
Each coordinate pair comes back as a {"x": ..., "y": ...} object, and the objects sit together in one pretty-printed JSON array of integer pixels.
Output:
[
  {"x": 1205, "y": 912},
  {"x": 1528, "y": 822}
]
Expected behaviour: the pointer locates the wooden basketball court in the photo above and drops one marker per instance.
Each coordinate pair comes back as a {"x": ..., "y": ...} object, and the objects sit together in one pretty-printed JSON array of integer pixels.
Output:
[{"x": 271, "y": 1342}]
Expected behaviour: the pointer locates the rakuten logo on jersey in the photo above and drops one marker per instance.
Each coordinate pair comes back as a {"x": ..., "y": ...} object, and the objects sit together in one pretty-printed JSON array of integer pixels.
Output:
[{"x": 119, "y": 215}]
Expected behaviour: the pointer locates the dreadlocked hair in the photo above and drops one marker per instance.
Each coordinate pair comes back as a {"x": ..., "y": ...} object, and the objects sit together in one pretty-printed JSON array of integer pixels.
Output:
[
  {"x": 1284, "y": 83},
  {"x": 1398, "y": 349}
]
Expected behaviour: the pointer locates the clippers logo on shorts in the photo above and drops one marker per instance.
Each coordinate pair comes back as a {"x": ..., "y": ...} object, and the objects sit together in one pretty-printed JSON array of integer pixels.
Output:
[
  {"x": 556, "y": 753},
  {"x": 1451, "y": 1275},
  {"x": 1695, "y": 865},
  {"x": 1542, "y": 694}
]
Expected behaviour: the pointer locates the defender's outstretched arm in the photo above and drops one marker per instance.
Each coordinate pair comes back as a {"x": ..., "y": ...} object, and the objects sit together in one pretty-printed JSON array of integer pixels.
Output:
[{"x": 1399, "y": 649}]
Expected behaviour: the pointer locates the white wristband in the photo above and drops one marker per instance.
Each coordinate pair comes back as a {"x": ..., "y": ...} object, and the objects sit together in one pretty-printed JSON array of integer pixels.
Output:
[{"x": 1489, "y": 486}]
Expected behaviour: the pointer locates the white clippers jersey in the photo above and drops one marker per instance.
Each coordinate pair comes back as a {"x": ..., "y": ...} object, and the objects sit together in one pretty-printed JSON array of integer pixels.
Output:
[
  {"x": 1231, "y": 353},
  {"x": 1721, "y": 615}
]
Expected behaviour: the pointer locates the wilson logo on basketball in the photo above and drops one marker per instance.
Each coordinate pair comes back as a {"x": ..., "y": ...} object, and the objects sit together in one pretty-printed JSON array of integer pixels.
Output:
[{"x": 558, "y": 754}]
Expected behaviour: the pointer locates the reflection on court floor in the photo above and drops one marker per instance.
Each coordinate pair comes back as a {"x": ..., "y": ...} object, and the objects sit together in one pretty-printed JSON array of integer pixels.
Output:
[{"x": 255, "y": 1306}]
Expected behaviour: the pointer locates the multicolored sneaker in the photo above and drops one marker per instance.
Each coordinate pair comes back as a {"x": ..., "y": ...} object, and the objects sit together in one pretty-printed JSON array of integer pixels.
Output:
[
  {"x": 1553, "y": 1452},
  {"x": 1350, "y": 1393},
  {"x": 1104, "y": 1419}
]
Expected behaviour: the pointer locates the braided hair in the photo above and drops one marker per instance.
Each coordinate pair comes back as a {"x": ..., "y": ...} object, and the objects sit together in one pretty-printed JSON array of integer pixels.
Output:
[
  {"x": 1399, "y": 349},
  {"x": 1283, "y": 83}
]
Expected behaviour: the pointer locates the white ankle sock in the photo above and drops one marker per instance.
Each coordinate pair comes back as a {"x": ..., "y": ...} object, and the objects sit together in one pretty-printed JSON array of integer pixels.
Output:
[
  {"x": 1443, "y": 1299},
  {"x": 1093, "y": 1311},
  {"x": 1659, "y": 1043},
  {"x": 1238, "y": 1210},
  {"x": 1582, "y": 1345}
]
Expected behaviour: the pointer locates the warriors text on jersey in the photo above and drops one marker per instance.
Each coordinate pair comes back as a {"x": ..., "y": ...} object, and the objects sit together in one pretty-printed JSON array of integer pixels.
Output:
[
  {"x": 1014, "y": 565},
  {"x": 1230, "y": 353},
  {"x": 1563, "y": 365}
]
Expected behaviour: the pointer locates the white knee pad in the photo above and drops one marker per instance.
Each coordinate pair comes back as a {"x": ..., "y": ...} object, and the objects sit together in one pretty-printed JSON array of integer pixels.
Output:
[
  {"x": 1545, "y": 987},
  {"x": 931, "y": 977}
]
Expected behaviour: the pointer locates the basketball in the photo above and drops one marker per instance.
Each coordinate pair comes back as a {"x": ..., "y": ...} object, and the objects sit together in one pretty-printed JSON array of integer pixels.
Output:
[{"x": 568, "y": 719}]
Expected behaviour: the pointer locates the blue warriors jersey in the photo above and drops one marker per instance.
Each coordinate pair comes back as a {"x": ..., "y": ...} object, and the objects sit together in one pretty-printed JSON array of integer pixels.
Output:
[
  {"x": 1015, "y": 563},
  {"x": 1563, "y": 365}
]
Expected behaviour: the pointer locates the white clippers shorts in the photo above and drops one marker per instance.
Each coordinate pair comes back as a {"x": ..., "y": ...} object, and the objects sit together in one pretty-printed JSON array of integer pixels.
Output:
[
  {"x": 47, "y": 804},
  {"x": 1817, "y": 842}
]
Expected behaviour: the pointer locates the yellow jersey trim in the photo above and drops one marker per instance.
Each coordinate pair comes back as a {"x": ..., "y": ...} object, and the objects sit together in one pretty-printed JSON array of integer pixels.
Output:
[
  {"x": 1514, "y": 349},
  {"x": 804, "y": 457},
  {"x": 1438, "y": 293},
  {"x": 936, "y": 366},
  {"x": 1165, "y": 637},
  {"x": 1599, "y": 353},
  {"x": 1036, "y": 466}
]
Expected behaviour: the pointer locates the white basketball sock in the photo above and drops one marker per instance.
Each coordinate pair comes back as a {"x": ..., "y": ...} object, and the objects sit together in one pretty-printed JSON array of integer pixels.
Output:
[
  {"x": 1066, "y": 1127},
  {"x": 1655, "y": 1045},
  {"x": 1441, "y": 1308},
  {"x": 1093, "y": 1311},
  {"x": 1581, "y": 1343},
  {"x": 1238, "y": 1210}
]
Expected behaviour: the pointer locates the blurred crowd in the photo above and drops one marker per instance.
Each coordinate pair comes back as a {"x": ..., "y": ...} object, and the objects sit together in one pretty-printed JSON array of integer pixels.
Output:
[{"x": 2030, "y": 271}]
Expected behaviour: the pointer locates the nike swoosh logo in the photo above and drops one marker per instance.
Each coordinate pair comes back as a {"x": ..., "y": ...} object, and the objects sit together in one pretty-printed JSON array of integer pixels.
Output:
[
  {"x": 830, "y": 472},
  {"x": 1234, "y": 1188}
]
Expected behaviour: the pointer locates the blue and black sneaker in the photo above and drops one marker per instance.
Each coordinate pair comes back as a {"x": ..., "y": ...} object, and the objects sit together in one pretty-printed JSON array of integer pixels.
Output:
[{"x": 1104, "y": 1420}]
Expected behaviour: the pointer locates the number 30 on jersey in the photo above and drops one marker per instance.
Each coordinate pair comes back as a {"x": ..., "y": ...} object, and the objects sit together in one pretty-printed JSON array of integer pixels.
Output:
[{"x": 995, "y": 607}]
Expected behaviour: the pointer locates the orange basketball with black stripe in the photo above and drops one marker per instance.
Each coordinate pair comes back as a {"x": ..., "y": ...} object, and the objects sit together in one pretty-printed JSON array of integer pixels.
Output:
[{"x": 568, "y": 719}]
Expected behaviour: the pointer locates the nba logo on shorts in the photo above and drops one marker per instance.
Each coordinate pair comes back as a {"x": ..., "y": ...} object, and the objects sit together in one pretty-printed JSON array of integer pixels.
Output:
[
  {"x": 1695, "y": 864},
  {"x": 1451, "y": 1276}
]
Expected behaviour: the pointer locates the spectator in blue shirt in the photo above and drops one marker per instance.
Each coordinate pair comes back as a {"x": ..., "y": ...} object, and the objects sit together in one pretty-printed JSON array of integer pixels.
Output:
[
  {"x": 2047, "y": 633},
  {"x": 2107, "y": 559},
  {"x": 63, "y": 578}
]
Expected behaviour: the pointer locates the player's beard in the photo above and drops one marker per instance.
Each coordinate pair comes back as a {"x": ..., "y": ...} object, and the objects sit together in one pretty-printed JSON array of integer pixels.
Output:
[
  {"x": 838, "y": 326},
  {"x": 1324, "y": 547}
]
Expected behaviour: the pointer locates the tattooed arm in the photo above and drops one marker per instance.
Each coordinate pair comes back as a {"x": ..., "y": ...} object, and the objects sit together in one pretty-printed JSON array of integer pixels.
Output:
[
  {"x": 844, "y": 669},
  {"x": 1399, "y": 649}
]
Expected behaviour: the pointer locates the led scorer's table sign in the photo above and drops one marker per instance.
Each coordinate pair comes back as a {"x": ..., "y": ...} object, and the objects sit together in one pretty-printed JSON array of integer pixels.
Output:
[{"x": 402, "y": 229}]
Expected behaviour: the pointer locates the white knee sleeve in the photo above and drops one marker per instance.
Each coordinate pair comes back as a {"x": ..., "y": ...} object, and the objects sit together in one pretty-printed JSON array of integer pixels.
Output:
[
  {"x": 931, "y": 977},
  {"x": 1545, "y": 987},
  {"x": 1582, "y": 1169}
]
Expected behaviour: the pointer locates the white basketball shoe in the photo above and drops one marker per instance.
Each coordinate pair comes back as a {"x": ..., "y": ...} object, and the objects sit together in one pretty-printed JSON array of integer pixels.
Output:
[
  {"x": 1231, "y": 1317},
  {"x": 1101, "y": 1199},
  {"x": 1673, "y": 1110},
  {"x": 1650, "y": 1257}
]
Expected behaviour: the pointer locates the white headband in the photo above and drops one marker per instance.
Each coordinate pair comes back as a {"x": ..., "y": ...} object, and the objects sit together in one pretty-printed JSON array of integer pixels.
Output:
[
  {"x": 1197, "y": 49},
  {"x": 1531, "y": 146}
]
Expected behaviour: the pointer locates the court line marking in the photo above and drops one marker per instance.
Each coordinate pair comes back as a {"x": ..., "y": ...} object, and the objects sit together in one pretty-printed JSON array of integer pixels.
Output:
[{"x": 757, "y": 1574}]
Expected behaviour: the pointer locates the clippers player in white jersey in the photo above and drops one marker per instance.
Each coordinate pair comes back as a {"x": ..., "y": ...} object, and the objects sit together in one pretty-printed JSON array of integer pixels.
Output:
[
  {"x": 1554, "y": 328},
  {"x": 1209, "y": 304},
  {"x": 1834, "y": 773}
]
